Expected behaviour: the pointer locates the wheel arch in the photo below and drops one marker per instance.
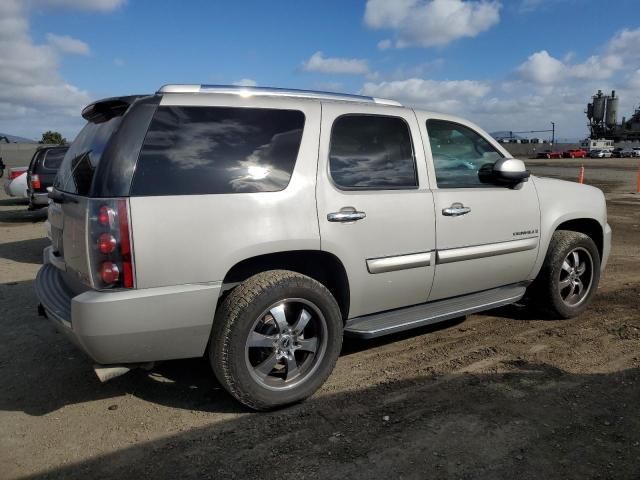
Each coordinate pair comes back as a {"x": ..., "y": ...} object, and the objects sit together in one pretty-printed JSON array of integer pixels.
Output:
[
  {"x": 581, "y": 224},
  {"x": 589, "y": 226},
  {"x": 322, "y": 266}
]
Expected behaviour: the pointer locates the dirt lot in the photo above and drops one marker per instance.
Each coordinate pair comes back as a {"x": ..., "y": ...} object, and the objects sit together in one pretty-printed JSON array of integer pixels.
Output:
[{"x": 501, "y": 395}]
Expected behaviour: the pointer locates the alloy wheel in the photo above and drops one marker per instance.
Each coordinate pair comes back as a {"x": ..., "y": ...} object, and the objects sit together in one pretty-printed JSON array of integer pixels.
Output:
[
  {"x": 576, "y": 277},
  {"x": 286, "y": 344}
]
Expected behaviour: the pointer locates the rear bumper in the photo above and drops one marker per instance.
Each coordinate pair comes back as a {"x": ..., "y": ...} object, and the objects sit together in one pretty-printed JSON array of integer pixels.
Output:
[
  {"x": 130, "y": 326},
  {"x": 39, "y": 198}
]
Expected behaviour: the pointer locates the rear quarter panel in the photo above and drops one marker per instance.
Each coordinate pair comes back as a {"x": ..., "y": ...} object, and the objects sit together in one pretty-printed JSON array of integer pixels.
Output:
[{"x": 198, "y": 238}]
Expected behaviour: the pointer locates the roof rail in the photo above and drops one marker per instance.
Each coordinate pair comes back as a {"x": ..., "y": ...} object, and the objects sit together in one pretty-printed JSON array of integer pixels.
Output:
[{"x": 276, "y": 92}]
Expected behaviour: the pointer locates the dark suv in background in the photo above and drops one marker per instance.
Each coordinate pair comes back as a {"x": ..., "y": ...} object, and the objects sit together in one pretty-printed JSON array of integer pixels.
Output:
[{"x": 41, "y": 174}]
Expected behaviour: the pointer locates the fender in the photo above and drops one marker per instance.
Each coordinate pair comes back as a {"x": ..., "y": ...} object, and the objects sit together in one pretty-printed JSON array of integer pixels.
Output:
[{"x": 561, "y": 201}]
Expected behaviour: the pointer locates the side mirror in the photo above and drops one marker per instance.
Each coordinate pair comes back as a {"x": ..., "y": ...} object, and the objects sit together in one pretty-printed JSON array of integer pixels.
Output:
[{"x": 506, "y": 171}]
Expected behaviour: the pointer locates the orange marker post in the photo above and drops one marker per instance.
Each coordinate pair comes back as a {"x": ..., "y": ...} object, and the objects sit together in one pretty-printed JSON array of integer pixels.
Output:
[
  {"x": 581, "y": 175},
  {"x": 638, "y": 181}
]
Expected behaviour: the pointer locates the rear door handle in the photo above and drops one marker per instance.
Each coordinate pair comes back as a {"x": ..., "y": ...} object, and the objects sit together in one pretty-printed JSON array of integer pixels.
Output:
[
  {"x": 455, "y": 210},
  {"x": 346, "y": 214}
]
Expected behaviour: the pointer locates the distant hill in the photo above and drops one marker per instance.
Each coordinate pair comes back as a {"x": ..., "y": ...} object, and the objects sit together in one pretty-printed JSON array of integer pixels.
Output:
[{"x": 15, "y": 139}]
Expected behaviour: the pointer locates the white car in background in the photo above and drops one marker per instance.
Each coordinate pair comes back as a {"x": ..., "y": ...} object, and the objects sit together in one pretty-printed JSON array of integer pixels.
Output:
[
  {"x": 16, "y": 184},
  {"x": 601, "y": 154}
]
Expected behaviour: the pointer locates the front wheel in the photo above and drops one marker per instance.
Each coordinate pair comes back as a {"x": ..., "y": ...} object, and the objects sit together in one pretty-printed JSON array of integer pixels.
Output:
[
  {"x": 569, "y": 276},
  {"x": 275, "y": 339}
]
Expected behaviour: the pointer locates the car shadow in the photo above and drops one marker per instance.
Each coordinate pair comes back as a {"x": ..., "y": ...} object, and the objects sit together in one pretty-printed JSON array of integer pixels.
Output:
[
  {"x": 24, "y": 251},
  {"x": 531, "y": 421},
  {"x": 23, "y": 215},
  {"x": 13, "y": 201}
]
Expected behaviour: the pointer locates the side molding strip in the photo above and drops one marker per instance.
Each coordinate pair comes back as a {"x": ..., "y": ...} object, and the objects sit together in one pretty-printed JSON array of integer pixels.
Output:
[
  {"x": 400, "y": 262},
  {"x": 489, "y": 250}
]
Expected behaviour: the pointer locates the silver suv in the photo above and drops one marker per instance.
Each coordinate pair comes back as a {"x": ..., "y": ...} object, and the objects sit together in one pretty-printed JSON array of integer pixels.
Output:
[{"x": 258, "y": 226}]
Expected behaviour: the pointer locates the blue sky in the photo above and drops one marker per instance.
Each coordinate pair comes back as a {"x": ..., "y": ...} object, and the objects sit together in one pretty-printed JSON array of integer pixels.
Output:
[{"x": 509, "y": 64}]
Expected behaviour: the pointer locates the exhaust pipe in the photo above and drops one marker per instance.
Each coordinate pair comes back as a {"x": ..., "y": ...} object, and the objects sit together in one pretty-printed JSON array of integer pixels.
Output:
[{"x": 109, "y": 372}]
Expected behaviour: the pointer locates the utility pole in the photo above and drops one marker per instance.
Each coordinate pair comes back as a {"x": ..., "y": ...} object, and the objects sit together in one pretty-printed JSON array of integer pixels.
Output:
[{"x": 553, "y": 133}]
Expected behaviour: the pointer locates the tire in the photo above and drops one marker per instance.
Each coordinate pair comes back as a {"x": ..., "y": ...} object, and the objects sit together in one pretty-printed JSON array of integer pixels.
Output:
[
  {"x": 547, "y": 293},
  {"x": 249, "y": 335}
]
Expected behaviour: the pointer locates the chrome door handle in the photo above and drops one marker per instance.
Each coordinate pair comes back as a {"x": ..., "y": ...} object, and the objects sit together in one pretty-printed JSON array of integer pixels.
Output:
[
  {"x": 347, "y": 214},
  {"x": 455, "y": 210}
]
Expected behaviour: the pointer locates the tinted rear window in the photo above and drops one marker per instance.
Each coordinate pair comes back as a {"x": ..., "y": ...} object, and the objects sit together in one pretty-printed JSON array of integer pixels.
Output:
[
  {"x": 53, "y": 158},
  {"x": 214, "y": 150},
  {"x": 79, "y": 164}
]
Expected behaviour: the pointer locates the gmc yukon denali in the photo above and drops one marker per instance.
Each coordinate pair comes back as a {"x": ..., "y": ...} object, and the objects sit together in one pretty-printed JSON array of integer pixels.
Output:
[{"x": 258, "y": 226}]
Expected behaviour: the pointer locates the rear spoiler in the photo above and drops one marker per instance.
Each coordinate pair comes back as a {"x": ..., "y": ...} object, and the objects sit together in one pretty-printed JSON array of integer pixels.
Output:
[{"x": 108, "y": 108}]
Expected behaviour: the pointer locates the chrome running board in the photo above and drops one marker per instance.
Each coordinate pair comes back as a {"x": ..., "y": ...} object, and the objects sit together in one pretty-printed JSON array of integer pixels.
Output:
[{"x": 378, "y": 324}]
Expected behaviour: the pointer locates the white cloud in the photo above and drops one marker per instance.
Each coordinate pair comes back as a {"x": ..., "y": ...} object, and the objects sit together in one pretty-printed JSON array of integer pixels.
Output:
[
  {"x": 33, "y": 94},
  {"x": 348, "y": 66},
  {"x": 119, "y": 62},
  {"x": 67, "y": 44},
  {"x": 618, "y": 54},
  {"x": 625, "y": 44},
  {"x": 543, "y": 89},
  {"x": 246, "y": 82},
  {"x": 543, "y": 69},
  {"x": 633, "y": 80},
  {"x": 449, "y": 96},
  {"x": 385, "y": 44},
  {"x": 96, "y": 5},
  {"x": 428, "y": 23}
]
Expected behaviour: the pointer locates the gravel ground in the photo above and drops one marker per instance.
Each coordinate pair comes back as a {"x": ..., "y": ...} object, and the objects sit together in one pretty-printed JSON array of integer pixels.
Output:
[{"x": 500, "y": 395}]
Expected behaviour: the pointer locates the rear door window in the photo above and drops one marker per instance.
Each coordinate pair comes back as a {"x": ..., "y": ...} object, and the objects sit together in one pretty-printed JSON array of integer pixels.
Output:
[
  {"x": 218, "y": 150},
  {"x": 53, "y": 158},
  {"x": 81, "y": 160},
  {"x": 372, "y": 152}
]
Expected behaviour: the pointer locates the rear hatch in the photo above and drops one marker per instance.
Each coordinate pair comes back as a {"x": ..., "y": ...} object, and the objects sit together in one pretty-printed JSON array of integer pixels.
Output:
[
  {"x": 44, "y": 167},
  {"x": 88, "y": 210}
]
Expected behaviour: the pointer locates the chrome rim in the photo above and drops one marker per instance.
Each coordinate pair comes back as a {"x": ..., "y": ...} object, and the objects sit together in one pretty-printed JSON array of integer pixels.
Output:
[
  {"x": 576, "y": 276},
  {"x": 286, "y": 344}
]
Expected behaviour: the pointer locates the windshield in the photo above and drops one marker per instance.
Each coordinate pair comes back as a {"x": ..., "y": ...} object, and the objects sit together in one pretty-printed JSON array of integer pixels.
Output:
[{"x": 82, "y": 158}]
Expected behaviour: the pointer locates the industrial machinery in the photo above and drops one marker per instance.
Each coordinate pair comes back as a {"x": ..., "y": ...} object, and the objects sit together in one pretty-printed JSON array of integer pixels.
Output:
[{"x": 602, "y": 113}]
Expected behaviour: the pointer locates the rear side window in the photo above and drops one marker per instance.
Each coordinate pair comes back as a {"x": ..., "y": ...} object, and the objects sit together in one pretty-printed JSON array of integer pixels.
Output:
[
  {"x": 81, "y": 160},
  {"x": 53, "y": 158},
  {"x": 217, "y": 150},
  {"x": 372, "y": 152}
]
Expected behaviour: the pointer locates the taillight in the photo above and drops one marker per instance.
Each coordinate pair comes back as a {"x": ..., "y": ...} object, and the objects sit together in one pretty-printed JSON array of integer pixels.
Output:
[
  {"x": 111, "y": 256},
  {"x": 106, "y": 243},
  {"x": 125, "y": 245},
  {"x": 35, "y": 182},
  {"x": 14, "y": 173},
  {"x": 109, "y": 272},
  {"x": 105, "y": 215}
]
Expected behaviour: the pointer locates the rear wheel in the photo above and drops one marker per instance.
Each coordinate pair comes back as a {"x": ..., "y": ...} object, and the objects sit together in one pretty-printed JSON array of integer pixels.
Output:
[
  {"x": 276, "y": 339},
  {"x": 569, "y": 276}
]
